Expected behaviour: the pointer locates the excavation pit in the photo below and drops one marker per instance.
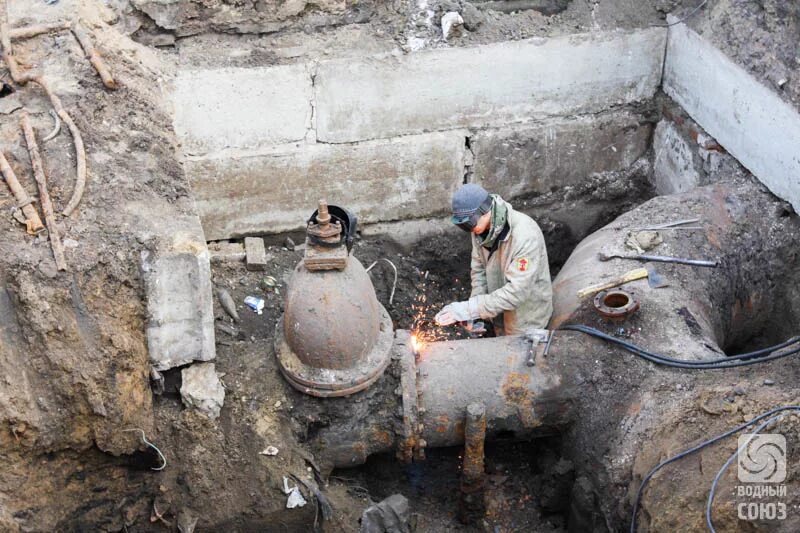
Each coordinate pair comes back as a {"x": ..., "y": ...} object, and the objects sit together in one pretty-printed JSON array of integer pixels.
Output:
[{"x": 589, "y": 120}]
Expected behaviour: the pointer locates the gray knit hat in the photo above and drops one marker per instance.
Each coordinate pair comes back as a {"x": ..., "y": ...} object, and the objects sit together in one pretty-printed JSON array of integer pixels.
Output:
[{"x": 468, "y": 199}]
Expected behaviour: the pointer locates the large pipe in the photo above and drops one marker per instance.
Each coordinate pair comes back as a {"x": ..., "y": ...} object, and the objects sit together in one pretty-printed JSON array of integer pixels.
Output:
[{"x": 421, "y": 404}]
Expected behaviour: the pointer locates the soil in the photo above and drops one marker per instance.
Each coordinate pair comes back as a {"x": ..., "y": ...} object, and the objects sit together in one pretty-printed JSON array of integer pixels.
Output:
[
  {"x": 74, "y": 356},
  {"x": 763, "y": 36}
]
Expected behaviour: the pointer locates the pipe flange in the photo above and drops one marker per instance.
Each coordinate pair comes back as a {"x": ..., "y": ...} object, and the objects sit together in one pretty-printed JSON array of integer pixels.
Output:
[
  {"x": 408, "y": 435},
  {"x": 616, "y": 304},
  {"x": 329, "y": 383}
]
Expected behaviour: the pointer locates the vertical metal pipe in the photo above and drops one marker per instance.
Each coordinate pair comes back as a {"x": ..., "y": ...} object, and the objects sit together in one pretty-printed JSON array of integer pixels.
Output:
[{"x": 472, "y": 505}]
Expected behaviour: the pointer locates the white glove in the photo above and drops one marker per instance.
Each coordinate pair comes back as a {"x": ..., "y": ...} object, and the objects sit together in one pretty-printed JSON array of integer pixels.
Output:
[{"x": 457, "y": 312}]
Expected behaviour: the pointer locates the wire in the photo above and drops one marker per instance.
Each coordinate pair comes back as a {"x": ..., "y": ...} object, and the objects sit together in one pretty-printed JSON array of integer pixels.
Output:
[
  {"x": 734, "y": 361},
  {"x": 684, "y": 19},
  {"x": 144, "y": 439},
  {"x": 394, "y": 284},
  {"x": 722, "y": 470},
  {"x": 700, "y": 446}
]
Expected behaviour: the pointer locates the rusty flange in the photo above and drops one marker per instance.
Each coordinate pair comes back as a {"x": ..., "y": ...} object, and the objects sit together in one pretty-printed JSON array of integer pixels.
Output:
[{"x": 616, "y": 304}]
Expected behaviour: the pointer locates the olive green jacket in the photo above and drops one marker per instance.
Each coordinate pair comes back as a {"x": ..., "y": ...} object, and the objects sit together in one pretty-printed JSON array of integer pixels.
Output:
[{"x": 515, "y": 280}]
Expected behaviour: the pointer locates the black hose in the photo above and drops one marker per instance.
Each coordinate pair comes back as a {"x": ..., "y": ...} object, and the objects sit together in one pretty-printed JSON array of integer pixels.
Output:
[
  {"x": 700, "y": 446},
  {"x": 745, "y": 359}
]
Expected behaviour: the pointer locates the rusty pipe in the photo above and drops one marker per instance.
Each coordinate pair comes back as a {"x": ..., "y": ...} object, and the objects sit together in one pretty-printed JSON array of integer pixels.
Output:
[
  {"x": 521, "y": 402},
  {"x": 472, "y": 506},
  {"x": 424, "y": 402}
]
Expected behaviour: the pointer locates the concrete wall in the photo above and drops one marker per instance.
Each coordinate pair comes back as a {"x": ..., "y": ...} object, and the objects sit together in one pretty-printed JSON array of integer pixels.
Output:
[
  {"x": 539, "y": 158},
  {"x": 277, "y": 190},
  {"x": 489, "y": 85},
  {"x": 386, "y": 135},
  {"x": 747, "y": 118}
]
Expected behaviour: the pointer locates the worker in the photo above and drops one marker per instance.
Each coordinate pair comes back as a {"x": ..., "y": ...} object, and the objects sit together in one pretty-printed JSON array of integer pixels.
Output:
[{"x": 511, "y": 284}]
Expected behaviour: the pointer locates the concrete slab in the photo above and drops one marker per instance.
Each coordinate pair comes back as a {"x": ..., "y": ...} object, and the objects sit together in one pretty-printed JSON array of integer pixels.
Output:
[
  {"x": 488, "y": 85},
  {"x": 177, "y": 280},
  {"x": 241, "y": 107},
  {"x": 674, "y": 164},
  {"x": 275, "y": 191},
  {"x": 537, "y": 159},
  {"x": 750, "y": 121}
]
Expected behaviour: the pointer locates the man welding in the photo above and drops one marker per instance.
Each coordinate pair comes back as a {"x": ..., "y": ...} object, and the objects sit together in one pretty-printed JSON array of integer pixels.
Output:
[{"x": 510, "y": 275}]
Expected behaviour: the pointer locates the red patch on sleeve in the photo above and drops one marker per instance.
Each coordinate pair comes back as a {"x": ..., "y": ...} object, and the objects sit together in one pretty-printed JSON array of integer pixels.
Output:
[{"x": 522, "y": 264}]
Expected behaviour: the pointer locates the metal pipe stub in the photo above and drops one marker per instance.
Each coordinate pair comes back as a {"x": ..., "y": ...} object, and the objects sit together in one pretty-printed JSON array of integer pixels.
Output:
[
  {"x": 616, "y": 304},
  {"x": 472, "y": 505}
]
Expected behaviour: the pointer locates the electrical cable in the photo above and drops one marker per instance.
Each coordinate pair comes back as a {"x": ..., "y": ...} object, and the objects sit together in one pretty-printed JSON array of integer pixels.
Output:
[
  {"x": 699, "y": 447},
  {"x": 722, "y": 470},
  {"x": 734, "y": 361},
  {"x": 684, "y": 19}
]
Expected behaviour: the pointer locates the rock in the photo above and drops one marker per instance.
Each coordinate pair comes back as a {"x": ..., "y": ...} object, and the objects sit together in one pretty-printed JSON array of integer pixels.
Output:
[
  {"x": 391, "y": 515},
  {"x": 472, "y": 16},
  {"x": 769, "y": 382},
  {"x": 738, "y": 390},
  {"x": 289, "y": 243},
  {"x": 202, "y": 389},
  {"x": 451, "y": 24}
]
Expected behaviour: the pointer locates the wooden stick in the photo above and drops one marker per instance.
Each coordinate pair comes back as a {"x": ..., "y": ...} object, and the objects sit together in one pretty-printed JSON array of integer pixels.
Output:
[
  {"x": 37, "y": 29},
  {"x": 80, "y": 150},
  {"x": 44, "y": 195},
  {"x": 94, "y": 57},
  {"x": 33, "y": 223}
]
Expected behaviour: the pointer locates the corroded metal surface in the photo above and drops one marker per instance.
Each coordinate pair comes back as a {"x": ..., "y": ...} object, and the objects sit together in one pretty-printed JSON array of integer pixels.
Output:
[
  {"x": 616, "y": 304},
  {"x": 520, "y": 401},
  {"x": 332, "y": 318},
  {"x": 334, "y": 338},
  {"x": 472, "y": 505}
]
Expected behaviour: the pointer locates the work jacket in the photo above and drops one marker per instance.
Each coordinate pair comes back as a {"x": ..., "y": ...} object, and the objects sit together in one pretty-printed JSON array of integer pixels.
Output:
[{"x": 514, "y": 280}]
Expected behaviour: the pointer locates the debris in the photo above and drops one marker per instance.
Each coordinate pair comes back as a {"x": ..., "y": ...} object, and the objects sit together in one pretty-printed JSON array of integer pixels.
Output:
[
  {"x": 56, "y": 127},
  {"x": 38, "y": 29},
  {"x": 390, "y": 515},
  {"x": 289, "y": 243},
  {"x": 642, "y": 241},
  {"x": 201, "y": 389},
  {"x": 269, "y": 450},
  {"x": 227, "y": 328},
  {"x": 44, "y": 195},
  {"x": 92, "y": 55},
  {"x": 660, "y": 259},
  {"x": 150, "y": 444},
  {"x": 227, "y": 303},
  {"x": 187, "y": 522},
  {"x": 255, "y": 303},
  {"x": 158, "y": 515},
  {"x": 738, "y": 390},
  {"x": 451, "y": 24},
  {"x": 32, "y": 222},
  {"x": 77, "y": 139},
  {"x": 295, "y": 498},
  {"x": 156, "y": 381},
  {"x": 256, "y": 254},
  {"x": 269, "y": 283},
  {"x": 769, "y": 382},
  {"x": 277, "y": 404},
  {"x": 226, "y": 252}
]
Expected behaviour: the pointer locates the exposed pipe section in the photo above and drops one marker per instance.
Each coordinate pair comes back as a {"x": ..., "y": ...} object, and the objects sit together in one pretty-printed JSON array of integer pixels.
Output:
[{"x": 472, "y": 506}]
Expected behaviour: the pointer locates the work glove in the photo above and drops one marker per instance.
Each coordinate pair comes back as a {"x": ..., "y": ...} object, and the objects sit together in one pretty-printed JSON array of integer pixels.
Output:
[{"x": 457, "y": 312}]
